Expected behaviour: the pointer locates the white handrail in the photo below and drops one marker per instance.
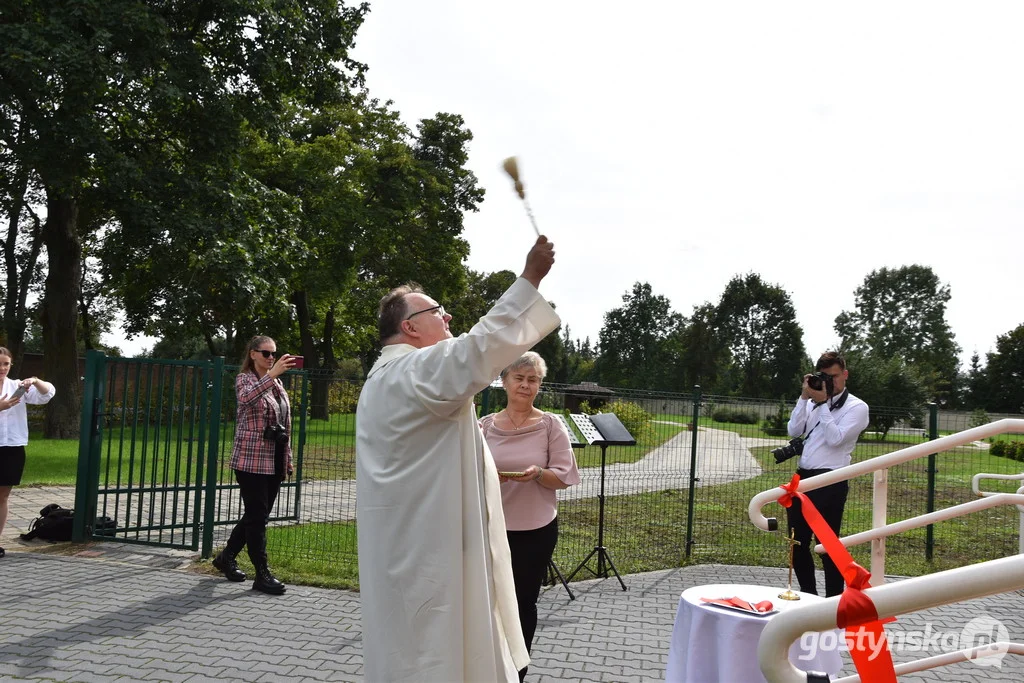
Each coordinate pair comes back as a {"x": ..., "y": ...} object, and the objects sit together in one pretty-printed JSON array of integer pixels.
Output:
[
  {"x": 1004, "y": 426},
  {"x": 994, "y": 500},
  {"x": 976, "y": 481},
  {"x": 912, "y": 595},
  {"x": 976, "y": 487},
  {"x": 979, "y": 652}
]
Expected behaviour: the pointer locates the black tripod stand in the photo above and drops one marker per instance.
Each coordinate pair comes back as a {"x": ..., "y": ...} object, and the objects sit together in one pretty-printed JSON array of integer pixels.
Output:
[
  {"x": 553, "y": 572},
  {"x": 603, "y": 430}
]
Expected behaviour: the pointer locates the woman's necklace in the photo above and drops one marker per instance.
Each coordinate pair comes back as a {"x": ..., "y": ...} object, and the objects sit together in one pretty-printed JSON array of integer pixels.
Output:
[{"x": 521, "y": 423}]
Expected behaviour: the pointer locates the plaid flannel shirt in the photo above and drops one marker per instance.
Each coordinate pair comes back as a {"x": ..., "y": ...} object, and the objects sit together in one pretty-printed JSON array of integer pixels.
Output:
[{"x": 257, "y": 408}]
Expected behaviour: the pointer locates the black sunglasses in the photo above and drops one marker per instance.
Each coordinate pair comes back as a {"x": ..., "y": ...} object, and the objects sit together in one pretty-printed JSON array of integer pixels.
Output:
[{"x": 266, "y": 354}]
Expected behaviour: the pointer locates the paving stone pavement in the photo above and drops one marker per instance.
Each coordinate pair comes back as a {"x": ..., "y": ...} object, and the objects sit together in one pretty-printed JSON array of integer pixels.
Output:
[{"x": 107, "y": 613}]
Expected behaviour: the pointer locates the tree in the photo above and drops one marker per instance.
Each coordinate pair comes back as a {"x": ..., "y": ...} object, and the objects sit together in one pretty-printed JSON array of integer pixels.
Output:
[
  {"x": 702, "y": 353},
  {"x": 756, "y": 321},
  {"x": 579, "y": 359},
  {"x": 481, "y": 292},
  {"x": 634, "y": 341},
  {"x": 1005, "y": 372},
  {"x": 19, "y": 195},
  {"x": 902, "y": 312},
  {"x": 131, "y": 104},
  {"x": 975, "y": 390},
  {"x": 893, "y": 389}
]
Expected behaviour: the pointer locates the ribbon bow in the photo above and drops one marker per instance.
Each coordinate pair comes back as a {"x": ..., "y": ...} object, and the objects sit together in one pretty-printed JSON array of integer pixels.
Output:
[{"x": 857, "y": 612}]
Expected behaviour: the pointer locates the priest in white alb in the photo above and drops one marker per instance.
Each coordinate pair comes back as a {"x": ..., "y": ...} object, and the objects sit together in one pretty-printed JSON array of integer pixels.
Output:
[{"x": 437, "y": 594}]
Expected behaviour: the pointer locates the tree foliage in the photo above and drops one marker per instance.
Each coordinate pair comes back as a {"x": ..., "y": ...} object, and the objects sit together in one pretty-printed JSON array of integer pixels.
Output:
[
  {"x": 894, "y": 390},
  {"x": 135, "y": 113},
  {"x": 1005, "y": 372},
  {"x": 756, "y": 322},
  {"x": 901, "y": 312},
  {"x": 635, "y": 341}
]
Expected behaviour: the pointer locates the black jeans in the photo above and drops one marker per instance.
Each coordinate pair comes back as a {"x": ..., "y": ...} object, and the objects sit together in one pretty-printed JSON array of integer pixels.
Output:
[
  {"x": 830, "y": 501},
  {"x": 531, "y": 551},
  {"x": 259, "y": 491}
]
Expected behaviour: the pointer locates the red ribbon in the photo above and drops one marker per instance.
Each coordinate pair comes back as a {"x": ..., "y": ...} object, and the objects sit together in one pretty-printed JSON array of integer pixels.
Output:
[{"x": 856, "y": 613}]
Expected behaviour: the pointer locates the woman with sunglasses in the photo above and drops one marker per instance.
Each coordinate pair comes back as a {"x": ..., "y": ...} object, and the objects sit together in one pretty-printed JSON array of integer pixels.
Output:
[{"x": 261, "y": 457}]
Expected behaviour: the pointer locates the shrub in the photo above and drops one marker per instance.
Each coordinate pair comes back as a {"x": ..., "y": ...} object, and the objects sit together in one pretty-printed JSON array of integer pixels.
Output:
[
  {"x": 587, "y": 410},
  {"x": 998, "y": 448},
  {"x": 1015, "y": 450},
  {"x": 634, "y": 418},
  {"x": 343, "y": 397},
  {"x": 777, "y": 424}
]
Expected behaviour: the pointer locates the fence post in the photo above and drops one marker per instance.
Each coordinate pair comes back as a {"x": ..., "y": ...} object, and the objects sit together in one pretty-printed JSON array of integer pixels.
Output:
[
  {"x": 695, "y": 420},
  {"x": 933, "y": 433},
  {"x": 303, "y": 416},
  {"x": 210, "y": 495},
  {"x": 485, "y": 402},
  {"x": 88, "y": 444}
]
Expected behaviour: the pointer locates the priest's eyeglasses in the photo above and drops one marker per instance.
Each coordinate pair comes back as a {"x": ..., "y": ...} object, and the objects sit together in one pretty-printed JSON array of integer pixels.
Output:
[{"x": 439, "y": 308}]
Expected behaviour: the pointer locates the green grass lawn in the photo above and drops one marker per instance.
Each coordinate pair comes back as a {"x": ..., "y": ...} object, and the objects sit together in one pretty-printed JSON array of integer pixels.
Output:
[{"x": 50, "y": 462}]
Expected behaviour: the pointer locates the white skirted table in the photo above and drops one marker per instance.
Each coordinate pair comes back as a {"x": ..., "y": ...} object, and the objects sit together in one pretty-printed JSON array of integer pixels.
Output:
[{"x": 712, "y": 643}]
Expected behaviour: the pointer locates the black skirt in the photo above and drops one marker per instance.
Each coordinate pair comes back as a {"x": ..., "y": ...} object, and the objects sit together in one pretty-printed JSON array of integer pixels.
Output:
[{"x": 12, "y": 465}]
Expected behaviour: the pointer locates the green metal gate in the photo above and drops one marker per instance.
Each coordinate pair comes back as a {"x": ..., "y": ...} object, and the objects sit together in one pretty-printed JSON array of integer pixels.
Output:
[{"x": 155, "y": 444}]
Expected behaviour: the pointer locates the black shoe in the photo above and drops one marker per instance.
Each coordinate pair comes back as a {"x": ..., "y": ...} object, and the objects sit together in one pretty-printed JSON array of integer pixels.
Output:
[
  {"x": 267, "y": 582},
  {"x": 228, "y": 567},
  {"x": 2, "y": 552}
]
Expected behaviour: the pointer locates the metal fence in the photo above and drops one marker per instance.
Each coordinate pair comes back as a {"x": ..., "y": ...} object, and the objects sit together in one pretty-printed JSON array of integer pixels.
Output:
[
  {"x": 680, "y": 495},
  {"x": 162, "y": 437}
]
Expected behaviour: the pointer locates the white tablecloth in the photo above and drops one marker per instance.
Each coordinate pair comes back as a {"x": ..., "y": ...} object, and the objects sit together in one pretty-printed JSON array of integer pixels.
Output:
[{"x": 716, "y": 645}]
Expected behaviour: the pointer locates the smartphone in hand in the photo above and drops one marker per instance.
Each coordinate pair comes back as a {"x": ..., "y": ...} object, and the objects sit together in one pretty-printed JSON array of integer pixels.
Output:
[
  {"x": 20, "y": 391},
  {"x": 299, "y": 361}
]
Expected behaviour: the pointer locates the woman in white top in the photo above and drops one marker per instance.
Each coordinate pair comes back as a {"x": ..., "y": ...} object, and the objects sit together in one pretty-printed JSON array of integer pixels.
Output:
[{"x": 14, "y": 394}]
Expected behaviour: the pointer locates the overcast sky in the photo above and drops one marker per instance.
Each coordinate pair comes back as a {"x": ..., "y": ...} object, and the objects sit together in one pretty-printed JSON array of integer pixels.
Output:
[{"x": 684, "y": 143}]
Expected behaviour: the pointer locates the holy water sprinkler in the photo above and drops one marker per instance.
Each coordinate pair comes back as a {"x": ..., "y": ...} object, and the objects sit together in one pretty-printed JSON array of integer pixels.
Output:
[{"x": 511, "y": 167}]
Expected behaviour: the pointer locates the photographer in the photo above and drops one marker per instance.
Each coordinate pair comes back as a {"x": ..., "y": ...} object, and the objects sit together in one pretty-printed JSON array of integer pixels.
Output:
[
  {"x": 825, "y": 424},
  {"x": 261, "y": 457}
]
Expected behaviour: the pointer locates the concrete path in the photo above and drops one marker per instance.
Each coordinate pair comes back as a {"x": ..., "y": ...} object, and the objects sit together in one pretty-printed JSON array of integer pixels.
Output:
[
  {"x": 111, "y": 613},
  {"x": 721, "y": 458}
]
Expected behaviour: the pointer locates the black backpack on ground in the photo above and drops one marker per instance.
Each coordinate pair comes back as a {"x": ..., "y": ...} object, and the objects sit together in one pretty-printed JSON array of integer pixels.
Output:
[{"x": 53, "y": 524}]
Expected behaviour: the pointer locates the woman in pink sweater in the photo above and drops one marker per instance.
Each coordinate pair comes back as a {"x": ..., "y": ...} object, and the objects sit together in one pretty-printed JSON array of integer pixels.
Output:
[{"x": 534, "y": 459}]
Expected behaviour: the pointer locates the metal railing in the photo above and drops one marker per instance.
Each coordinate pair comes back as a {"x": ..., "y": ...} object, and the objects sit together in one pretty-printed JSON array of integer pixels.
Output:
[
  {"x": 880, "y": 495},
  {"x": 679, "y": 496},
  {"x": 890, "y": 600},
  {"x": 943, "y": 588}
]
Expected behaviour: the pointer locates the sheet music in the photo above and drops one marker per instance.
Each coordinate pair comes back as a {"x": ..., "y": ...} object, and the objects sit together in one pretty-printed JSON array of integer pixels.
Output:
[
  {"x": 573, "y": 441},
  {"x": 586, "y": 427}
]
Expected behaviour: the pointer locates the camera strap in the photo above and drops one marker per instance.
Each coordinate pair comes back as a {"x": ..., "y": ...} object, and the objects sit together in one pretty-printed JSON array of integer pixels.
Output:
[{"x": 835, "y": 405}]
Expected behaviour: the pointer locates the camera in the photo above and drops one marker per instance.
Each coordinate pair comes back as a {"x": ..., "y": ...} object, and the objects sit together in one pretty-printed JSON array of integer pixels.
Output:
[
  {"x": 822, "y": 379},
  {"x": 275, "y": 433},
  {"x": 794, "y": 448}
]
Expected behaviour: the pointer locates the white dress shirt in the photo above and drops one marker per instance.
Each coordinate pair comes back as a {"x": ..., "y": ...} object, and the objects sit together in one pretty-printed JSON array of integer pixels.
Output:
[
  {"x": 831, "y": 444},
  {"x": 14, "y": 420}
]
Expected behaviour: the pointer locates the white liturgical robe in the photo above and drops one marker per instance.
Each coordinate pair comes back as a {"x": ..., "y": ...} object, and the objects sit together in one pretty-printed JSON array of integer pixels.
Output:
[{"x": 435, "y": 574}]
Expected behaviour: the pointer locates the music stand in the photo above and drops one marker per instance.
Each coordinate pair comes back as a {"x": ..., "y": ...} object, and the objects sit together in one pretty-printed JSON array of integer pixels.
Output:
[{"x": 602, "y": 430}]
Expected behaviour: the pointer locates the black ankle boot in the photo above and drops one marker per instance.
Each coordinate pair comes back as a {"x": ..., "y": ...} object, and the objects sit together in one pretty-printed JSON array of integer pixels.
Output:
[
  {"x": 227, "y": 565},
  {"x": 267, "y": 582}
]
